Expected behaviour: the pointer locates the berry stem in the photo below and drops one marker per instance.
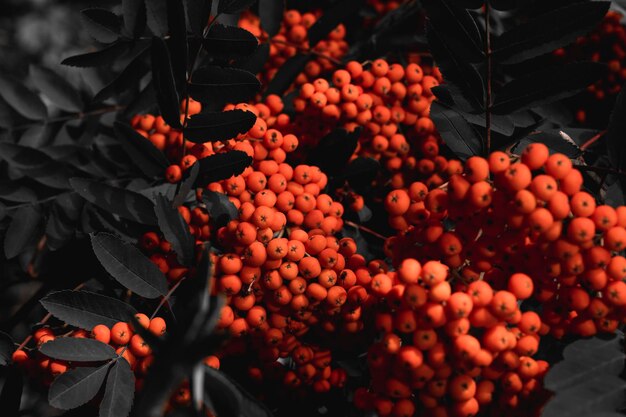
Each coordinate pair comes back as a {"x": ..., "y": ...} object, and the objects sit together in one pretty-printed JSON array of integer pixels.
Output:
[
  {"x": 593, "y": 140},
  {"x": 166, "y": 297},
  {"x": 365, "y": 229}
]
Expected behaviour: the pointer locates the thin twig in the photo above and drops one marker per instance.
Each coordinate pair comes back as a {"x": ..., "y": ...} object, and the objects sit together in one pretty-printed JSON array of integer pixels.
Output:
[
  {"x": 167, "y": 297},
  {"x": 593, "y": 140},
  {"x": 365, "y": 229}
]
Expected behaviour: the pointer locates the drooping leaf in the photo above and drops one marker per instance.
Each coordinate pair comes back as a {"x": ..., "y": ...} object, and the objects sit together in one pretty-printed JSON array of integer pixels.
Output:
[
  {"x": 286, "y": 74},
  {"x": 334, "y": 150},
  {"x": 548, "y": 31},
  {"x": 156, "y": 12},
  {"x": 546, "y": 86},
  {"x": 143, "y": 152},
  {"x": 125, "y": 203},
  {"x": 223, "y": 85},
  {"x": 21, "y": 231},
  {"x": 218, "y": 126},
  {"x": 221, "y": 210},
  {"x": 233, "y": 6},
  {"x": 456, "y": 132},
  {"x": 197, "y": 12},
  {"x": 21, "y": 99},
  {"x": 102, "y": 57},
  {"x": 119, "y": 391},
  {"x": 229, "y": 41},
  {"x": 332, "y": 17},
  {"x": 189, "y": 179},
  {"x": 76, "y": 386},
  {"x": 11, "y": 394},
  {"x": 129, "y": 266},
  {"x": 271, "y": 14},
  {"x": 164, "y": 83},
  {"x": 175, "y": 230},
  {"x": 7, "y": 347},
  {"x": 77, "y": 349},
  {"x": 103, "y": 25},
  {"x": 125, "y": 80},
  {"x": 177, "y": 43},
  {"x": 134, "y": 14},
  {"x": 222, "y": 166},
  {"x": 56, "y": 88},
  {"x": 86, "y": 309}
]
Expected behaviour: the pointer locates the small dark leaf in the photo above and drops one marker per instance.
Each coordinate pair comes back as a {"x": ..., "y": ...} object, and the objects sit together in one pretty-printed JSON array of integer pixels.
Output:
[
  {"x": 86, "y": 309},
  {"x": 175, "y": 230},
  {"x": 360, "y": 173},
  {"x": 129, "y": 266},
  {"x": 76, "y": 386},
  {"x": 189, "y": 180},
  {"x": 365, "y": 214},
  {"x": 156, "y": 12},
  {"x": 334, "y": 150},
  {"x": 77, "y": 349},
  {"x": 10, "y": 191},
  {"x": 103, "y": 25},
  {"x": 553, "y": 140},
  {"x": 125, "y": 80},
  {"x": 548, "y": 31},
  {"x": 286, "y": 74},
  {"x": 20, "y": 98},
  {"x": 456, "y": 132},
  {"x": 332, "y": 17},
  {"x": 218, "y": 126},
  {"x": 221, "y": 210},
  {"x": 233, "y": 6},
  {"x": 134, "y": 13},
  {"x": 224, "y": 396},
  {"x": 119, "y": 392},
  {"x": 7, "y": 347},
  {"x": 197, "y": 12},
  {"x": 223, "y": 85},
  {"x": 229, "y": 41},
  {"x": 222, "y": 166},
  {"x": 56, "y": 88},
  {"x": 255, "y": 62},
  {"x": 164, "y": 83},
  {"x": 546, "y": 86},
  {"x": 143, "y": 152},
  {"x": 177, "y": 43},
  {"x": 36, "y": 164},
  {"x": 11, "y": 394},
  {"x": 271, "y": 13},
  {"x": 99, "y": 58},
  {"x": 21, "y": 231},
  {"x": 125, "y": 203}
]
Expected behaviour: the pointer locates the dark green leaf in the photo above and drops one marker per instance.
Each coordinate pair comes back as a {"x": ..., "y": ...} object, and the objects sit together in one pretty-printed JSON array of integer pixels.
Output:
[
  {"x": 76, "y": 386},
  {"x": 456, "y": 132},
  {"x": 36, "y": 164},
  {"x": 222, "y": 166},
  {"x": 63, "y": 221},
  {"x": 102, "y": 57},
  {"x": 548, "y": 31},
  {"x": 233, "y": 6},
  {"x": 156, "y": 12},
  {"x": 125, "y": 80},
  {"x": 119, "y": 392},
  {"x": 151, "y": 160},
  {"x": 287, "y": 73},
  {"x": 129, "y": 266},
  {"x": 7, "y": 347},
  {"x": 223, "y": 85},
  {"x": 175, "y": 230},
  {"x": 189, "y": 180},
  {"x": 177, "y": 43},
  {"x": 218, "y": 126},
  {"x": 21, "y": 231},
  {"x": 11, "y": 395},
  {"x": 125, "y": 203},
  {"x": 20, "y": 98},
  {"x": 229, "y": 41},
  {"x": 86, "y": 309},
  {"x": 103, "y": 25},
  {"x": 334, "y": 150},
  {"x": 56, "y": 88},
  {"x": 221, "y": 210},
  {"x": 77, "y": 349},
  {"x": 164, "y": 84},
  {"x": 134, "y": 16},
  {"x": 546, "y": 86},
  {"x": 331, "y": 18},
  {"x": 255, "y": 62},
  {"x": 271, "y": 13},
  {"x": 197, "y": 12},
  {"x": 10, "y": 191}
]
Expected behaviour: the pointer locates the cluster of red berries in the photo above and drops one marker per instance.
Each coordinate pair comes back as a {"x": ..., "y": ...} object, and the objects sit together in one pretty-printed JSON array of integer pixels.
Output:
[{"x": 293, "y": 38}]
